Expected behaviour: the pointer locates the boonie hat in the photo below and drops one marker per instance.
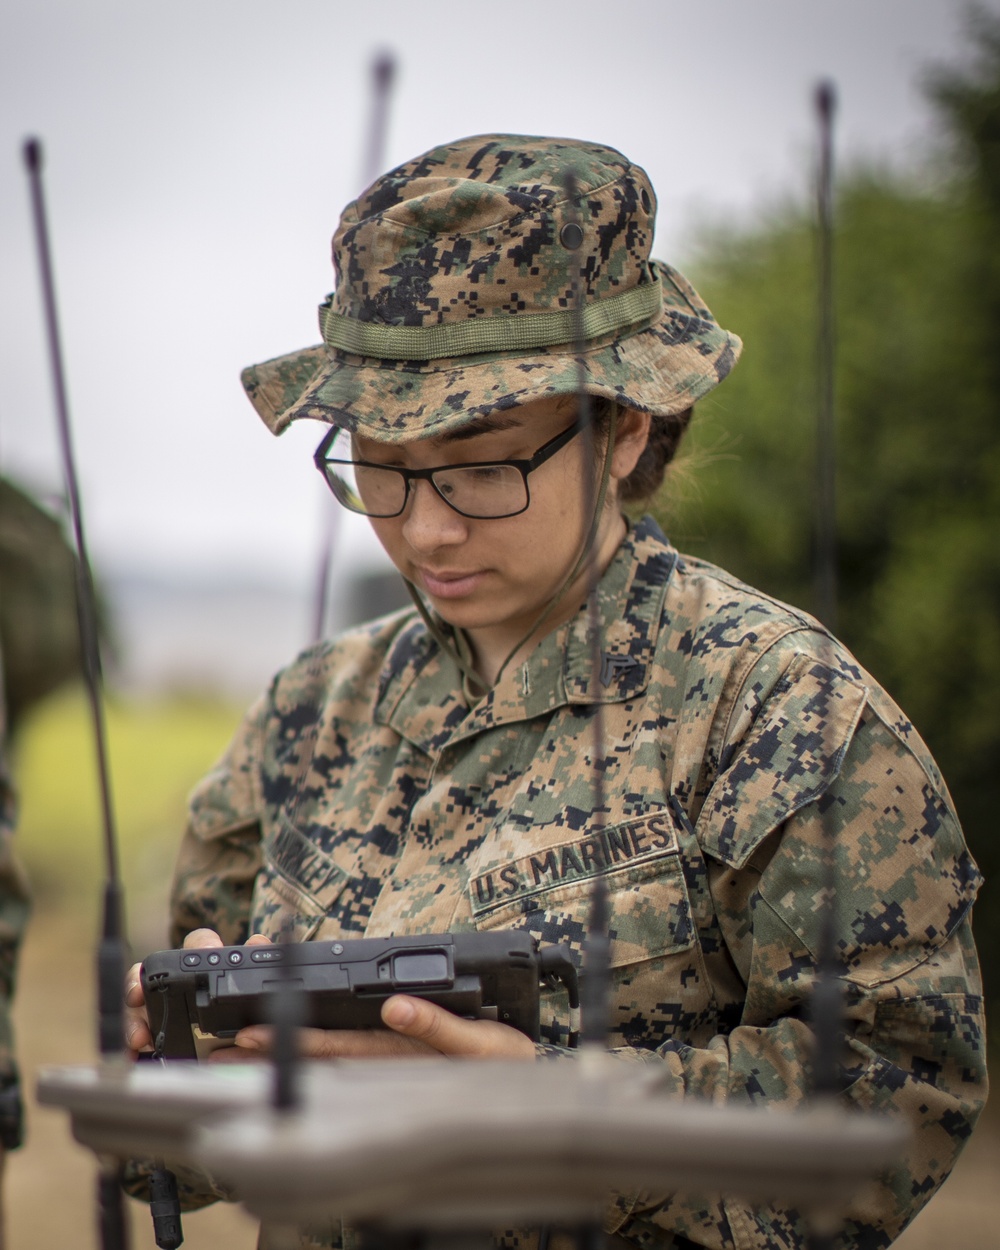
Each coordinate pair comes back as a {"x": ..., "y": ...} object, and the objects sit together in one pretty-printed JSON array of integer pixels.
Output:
[{"x": 458, "y": 280}]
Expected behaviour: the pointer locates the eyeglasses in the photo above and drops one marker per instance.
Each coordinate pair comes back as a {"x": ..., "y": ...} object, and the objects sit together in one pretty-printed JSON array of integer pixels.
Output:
[{"x": 481, "y": 489}]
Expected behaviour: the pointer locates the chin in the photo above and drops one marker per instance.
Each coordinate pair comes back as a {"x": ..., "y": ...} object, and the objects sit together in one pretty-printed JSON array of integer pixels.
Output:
[{"x": 467, "y": 614}]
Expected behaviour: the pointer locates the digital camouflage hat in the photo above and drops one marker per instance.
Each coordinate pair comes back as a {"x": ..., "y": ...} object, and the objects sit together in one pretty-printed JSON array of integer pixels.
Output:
[{"x": 463, "y": 278}]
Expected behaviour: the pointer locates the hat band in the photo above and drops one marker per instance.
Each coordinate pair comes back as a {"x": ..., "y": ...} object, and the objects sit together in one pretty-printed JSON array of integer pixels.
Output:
[{"x": 506, "y": 333}]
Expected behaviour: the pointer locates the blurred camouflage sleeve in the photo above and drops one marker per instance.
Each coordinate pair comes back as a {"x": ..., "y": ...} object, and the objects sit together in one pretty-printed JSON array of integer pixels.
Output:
[
  {"x": 220, "y": 854},
  {"x": 15, "y": 905}
]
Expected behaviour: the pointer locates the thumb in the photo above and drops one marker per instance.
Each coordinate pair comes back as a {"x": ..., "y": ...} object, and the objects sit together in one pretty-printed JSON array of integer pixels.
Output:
[{"x": 449, "y": 1034}]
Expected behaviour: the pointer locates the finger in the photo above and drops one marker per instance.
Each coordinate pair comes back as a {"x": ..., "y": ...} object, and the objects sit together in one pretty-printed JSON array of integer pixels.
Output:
[
  {"x": 258, "y": 939},
  {"x": 133, "y": 987},
  {"x": 360, "y": 1044},
  {"x": 336, "y": 1043},
  {"x": 449, "y": 1034},
  {"x": 231, "y": 1054},
  {"x": 137, "y": 1035},
  {"x": 198, "y": 939},
  {"x": 255, "y": 1037}
]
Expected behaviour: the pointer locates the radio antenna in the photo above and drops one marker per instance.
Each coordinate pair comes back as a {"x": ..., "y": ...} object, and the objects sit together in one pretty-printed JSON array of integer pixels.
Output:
[
  {"x": 111, "y": 950},
  {"x": 595, "y": 990},
  {"x": 383, "y": 70},
  {"x": 825, "y": 555},
  {"x": 827, "y": 1007}
]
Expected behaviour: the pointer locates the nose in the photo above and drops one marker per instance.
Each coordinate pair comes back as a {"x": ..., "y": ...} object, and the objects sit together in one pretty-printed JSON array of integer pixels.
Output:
[{"x": 428, "y": 522}]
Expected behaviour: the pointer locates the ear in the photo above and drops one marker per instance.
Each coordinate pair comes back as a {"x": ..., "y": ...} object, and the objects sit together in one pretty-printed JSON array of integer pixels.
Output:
[{"x": 631, "y": 436}]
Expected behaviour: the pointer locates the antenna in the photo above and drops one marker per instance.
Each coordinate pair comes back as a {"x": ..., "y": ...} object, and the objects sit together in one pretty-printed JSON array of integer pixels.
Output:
[
  {"x": 827, "y": 1007},
  {"x": 111, "y": 950},
  {"x": 288, "y": 1014},
  {"x": 825, "y": 553},
  {"x": 595, "y": 990},
  {"x": 383, "y": 70}
]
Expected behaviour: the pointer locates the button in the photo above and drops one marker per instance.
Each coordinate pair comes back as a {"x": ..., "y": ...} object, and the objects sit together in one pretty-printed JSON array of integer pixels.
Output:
[
  {"x": 191, "y": 960},
  {"x": 235, "y": 957},
  {"x": 214, "y": 958},
  {"x": 337, "y": 948},
  {"x": 268, "y": 955},
  {"x": 421, "y": 968},
  {"x": 571, "y": 236}
]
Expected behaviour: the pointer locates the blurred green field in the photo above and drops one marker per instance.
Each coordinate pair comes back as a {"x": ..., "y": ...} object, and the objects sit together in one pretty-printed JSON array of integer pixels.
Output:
[{"x": 158, "y": 748}]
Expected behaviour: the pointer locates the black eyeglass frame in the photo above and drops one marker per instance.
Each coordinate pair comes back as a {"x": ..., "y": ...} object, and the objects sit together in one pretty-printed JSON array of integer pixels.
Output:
[{"x": 524, "y": 467}]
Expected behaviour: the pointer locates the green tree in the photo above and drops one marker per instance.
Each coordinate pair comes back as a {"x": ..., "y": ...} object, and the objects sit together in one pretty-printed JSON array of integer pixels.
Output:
[{"x": 918, "y": 410}]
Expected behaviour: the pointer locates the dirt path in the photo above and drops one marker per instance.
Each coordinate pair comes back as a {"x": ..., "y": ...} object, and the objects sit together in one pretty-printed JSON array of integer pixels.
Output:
[{"x": 49, "y": 1185}]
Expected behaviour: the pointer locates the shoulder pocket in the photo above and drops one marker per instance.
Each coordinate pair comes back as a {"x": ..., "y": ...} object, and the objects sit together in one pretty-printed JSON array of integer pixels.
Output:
[{"x": 793, "y": 753}]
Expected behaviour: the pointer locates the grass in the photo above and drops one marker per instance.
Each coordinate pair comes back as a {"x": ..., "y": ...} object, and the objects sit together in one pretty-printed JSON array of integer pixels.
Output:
[{"x": 157, "y": 749}]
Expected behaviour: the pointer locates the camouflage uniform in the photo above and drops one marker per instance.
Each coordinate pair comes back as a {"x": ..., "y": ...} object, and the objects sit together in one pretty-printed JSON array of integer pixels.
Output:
[
  {"x": 14, "y": 908},
  {"x": 363, "y": 797},
  {"x": 371, "y": 793},
  {"x": 39, "y": 651},
  {"x": 15, "y": 903}
]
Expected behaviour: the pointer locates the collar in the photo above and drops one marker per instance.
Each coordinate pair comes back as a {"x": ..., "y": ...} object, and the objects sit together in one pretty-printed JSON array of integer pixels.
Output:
[{"x": 432, "y": 712}]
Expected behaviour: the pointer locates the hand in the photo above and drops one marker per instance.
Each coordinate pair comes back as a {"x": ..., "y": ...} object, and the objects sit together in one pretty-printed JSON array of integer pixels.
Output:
[
  {"x": 414, "y": 1027},
  {"x": 138, "y": 1038}
]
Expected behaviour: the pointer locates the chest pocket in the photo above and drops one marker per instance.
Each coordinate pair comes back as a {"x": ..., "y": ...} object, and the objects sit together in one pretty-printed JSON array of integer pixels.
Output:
[
  {"x": 296, "y": 888},
  {"x": 549, "y": 892}
]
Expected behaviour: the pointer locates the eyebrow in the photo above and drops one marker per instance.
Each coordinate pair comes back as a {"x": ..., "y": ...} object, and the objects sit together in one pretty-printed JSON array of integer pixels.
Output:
[{"x": 488, "y": 423}]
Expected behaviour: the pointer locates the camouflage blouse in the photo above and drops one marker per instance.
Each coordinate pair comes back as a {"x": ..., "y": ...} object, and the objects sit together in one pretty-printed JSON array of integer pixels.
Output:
[
  {"x": 15, "y": 901},
  {"x": 737, "y": 745}
]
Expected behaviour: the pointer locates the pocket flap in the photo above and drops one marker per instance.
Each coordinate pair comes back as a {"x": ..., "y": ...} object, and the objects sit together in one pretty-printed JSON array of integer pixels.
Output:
[{"x": 792, "y": 754}]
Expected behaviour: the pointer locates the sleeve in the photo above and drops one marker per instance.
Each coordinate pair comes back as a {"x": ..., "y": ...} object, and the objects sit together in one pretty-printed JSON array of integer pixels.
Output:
[
  {"x": 220, "y": 854},
  {"x": 15, "y": 907},
  {"x": 827, "y": 799}
]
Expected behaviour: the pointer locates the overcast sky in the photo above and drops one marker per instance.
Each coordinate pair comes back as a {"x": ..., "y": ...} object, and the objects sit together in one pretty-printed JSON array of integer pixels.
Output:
[{"x": 198, "y": 154}]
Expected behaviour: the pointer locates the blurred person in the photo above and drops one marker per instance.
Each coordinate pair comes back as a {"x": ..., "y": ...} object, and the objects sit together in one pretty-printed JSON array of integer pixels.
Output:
[
  {"x": 14, "y": 909},
  {"x": 39, "y": 628},
  {"x": 433, "y": 770},
  {"x": 39, "y": 653}
]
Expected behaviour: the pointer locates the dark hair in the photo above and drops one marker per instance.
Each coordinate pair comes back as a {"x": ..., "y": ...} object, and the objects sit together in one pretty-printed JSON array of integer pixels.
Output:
[{"x": 665, "y": 434}]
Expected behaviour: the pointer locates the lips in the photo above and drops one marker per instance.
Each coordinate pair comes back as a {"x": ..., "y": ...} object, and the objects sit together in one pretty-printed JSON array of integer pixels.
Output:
[{"x": 448, "y": 584}]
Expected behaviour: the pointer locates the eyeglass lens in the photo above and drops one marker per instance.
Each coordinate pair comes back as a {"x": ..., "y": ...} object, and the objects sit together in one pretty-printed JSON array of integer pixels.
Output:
[{"x": 491, "y": 490}]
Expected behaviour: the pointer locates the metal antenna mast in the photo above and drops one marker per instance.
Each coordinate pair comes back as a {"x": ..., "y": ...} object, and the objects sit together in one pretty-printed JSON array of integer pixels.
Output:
[
  {"x": 383, "y": 70},
  {"x": 596, "y": 985},
  {"x": 111, "y": 951},
  {"x": 825, "y": 567},
  {"x": 827, "y": 1006}
]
